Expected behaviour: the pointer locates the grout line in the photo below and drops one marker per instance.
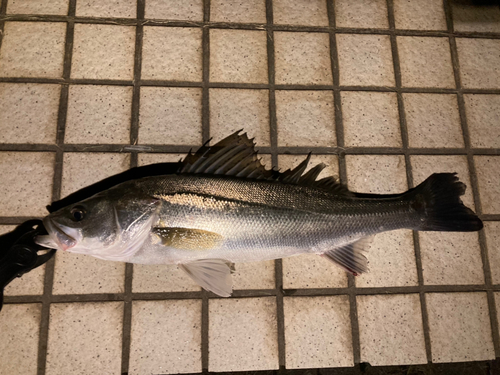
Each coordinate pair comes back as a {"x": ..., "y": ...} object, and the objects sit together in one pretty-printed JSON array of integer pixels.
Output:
[
  {"x": 473, "y": 177},
  {"x": 3, "y": 10},
  {"x": 252, "y": 293},
  {"x": 205, "y": 134},
  {"x": 242, "y": 85},
  {"x": 134, "y": 135},
  {"x": 409, "y": 173},
  {"x": 300, "y": 150},
  {"x": 273, "y": 134},
  {"x": 244, "y": 26},
  {"x": 339, "y": 129},
  {"x": 56, "y": 188}
]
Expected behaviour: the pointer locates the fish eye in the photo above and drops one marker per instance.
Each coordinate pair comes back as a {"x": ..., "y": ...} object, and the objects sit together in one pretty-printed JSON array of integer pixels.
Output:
[{"x": 78, "y": 213}]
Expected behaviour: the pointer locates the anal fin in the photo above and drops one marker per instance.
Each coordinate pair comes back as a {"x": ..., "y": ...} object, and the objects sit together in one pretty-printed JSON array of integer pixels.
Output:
[
  {"x": 351, "y": 256},
  {"x": 213, "y": 275}
]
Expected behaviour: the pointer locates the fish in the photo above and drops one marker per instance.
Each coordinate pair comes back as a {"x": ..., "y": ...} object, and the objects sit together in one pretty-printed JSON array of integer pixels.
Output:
[{"x": 222, "y": 207}]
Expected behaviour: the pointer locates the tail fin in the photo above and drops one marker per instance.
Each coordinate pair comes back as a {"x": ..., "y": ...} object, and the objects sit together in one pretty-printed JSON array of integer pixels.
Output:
[{"x": 437, "y": 199}]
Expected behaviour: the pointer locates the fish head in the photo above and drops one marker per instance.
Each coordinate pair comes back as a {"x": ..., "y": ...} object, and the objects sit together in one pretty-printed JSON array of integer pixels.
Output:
[{"x": 107, "y": 225}]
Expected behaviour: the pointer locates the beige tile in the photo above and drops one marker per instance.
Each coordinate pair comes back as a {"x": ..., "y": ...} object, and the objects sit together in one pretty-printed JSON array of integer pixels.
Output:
[
  {"x": 365, "y": 60},
  {"x": 300, "y": 12},
  {"x": 497, "y": 305},
  {"x": 103, "y": 52},
  {"x": 175, "y": 10},
  {"x": 433, "y": 120},
  {"x": 145, "y": 159},
  {"x": 460, "y": 328},
  {"x": 84, "y": 274},
  {"x": 114, "y": 8},
  {"x": 419, "y": 15},
  {"x": 171, "y": 53},
  {"x": 391, "y": 330},
  {"x": 83, "y": 169},
  {"x": 85, "y": 338},
  {"x": 233, "y": 109},
  {"x": 302, "y": 58},
  {"x": 32, "y": 49},
  {"x": 492, "y": 232},
  {"x": 28, "y": 112},
  {"x": 483, "y": 112},
  {"x": 361, "y": 14},
  {"x": 324, "y": 324},
  {"x": 242, "y": 334},
  {"x": 19, "y": 325},
  {"x": 425, "y": 62},
  {"x": 376, "y": 174},
  {"x": 488, "y": 175},
  {"x": 166, "y": 337},
  {"x": 312, "y": 271},
  {"x": 476, "y": 16},
  {"x": 170, "y": 115},
  {"x": 98, "y": 114},
  {"x": 27, "y": 191},
  {"x": 291, "y": 161},
  {"x": 451, "y": 258},
  {"x": 238, "y": 56},
  {"x": 249, "y": 11},
  {"x": 371, "y": 119},
  {"x": 425, "y": 165},
  {"x": 156, "y": 278},
  {"x": 479, "y": 62},
  {"x": 255, "y": 275},
  {"x": 305, "y": 118},
  {"x": 391, "y": 261},
  {"x": 58, "y": 7}
]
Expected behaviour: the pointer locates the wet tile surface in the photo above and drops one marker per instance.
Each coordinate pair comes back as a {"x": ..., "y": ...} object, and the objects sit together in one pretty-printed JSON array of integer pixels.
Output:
[
  {"x": 170, "y": 105},
  {"x": 92, "y": 328},
  {"x": 302, "y": 58},
  {"x": 361, "y": 14},
  {"x": 492, "y": 231},
  {"x": 391, "y": 330},
  {"x": 433, "y": 120},
  {"x": 242, "y": 334},
  {"x": 238, "y": 56},
  {"x": 479, "y": 63},
  {"x": 31, "y": 49},
  {"x": 171, "y": 53},
  {"x": 328, "y": 336},
  {"x": 425, "y": 62},
  {"x": 22, "y": 196},
  {"x": 115, "y": 8},
  {"x": 165, "y": 337},
  {"x": 59, "y": 7},
  {"x": 305, "y": 118},
  {"x": 459, "y": 327},
  {"x": 103, "y": 52},
  {"x": 174, "y": 10},
  {"x": 371, "y": 119},
  {"x": 300, "y": 12},
  {"x": 98, "y": 114},
  {"x": 29, "y": 112},
  {"x": 419, "y": 15},
  {"x": 365, "y": 60},
  {"x": 483, "y": 112},
  {"x": 488, "y": 176},
  {"x": 250, "y": 11},
  {"x": 19, "y": 324}
]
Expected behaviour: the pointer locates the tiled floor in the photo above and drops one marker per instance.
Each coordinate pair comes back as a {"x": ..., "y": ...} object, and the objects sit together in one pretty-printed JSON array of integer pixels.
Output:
[{"x": 385, "y": 92}]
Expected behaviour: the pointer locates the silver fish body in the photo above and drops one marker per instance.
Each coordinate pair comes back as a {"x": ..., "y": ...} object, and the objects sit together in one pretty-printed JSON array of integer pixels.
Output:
[
  {"x": 224, "y": 207},
  {"x": 262, "y": 220}
]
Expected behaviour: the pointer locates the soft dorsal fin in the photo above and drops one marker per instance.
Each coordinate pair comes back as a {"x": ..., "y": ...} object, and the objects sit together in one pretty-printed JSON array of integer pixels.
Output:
[{"x": 235, "y": 156}]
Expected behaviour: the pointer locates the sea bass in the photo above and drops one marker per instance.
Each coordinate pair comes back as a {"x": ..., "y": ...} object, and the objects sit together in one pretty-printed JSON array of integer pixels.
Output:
[{"x": 224, "y": 207}]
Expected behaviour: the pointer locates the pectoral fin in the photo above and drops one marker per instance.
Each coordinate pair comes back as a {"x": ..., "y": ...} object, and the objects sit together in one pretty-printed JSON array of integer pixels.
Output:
[
  {"x": 351, "y": 256},
  {"x": 188, "y": 238},
  {"x": 213, "y": 275}
]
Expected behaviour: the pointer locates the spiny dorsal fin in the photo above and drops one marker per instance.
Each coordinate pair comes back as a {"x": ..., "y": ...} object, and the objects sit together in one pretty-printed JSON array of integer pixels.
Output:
[{"x": 235, "y": 156}]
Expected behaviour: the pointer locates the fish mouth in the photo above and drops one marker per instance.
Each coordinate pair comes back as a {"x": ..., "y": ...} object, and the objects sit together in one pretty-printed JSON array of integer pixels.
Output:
[{"x": 58, "y": 236}]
